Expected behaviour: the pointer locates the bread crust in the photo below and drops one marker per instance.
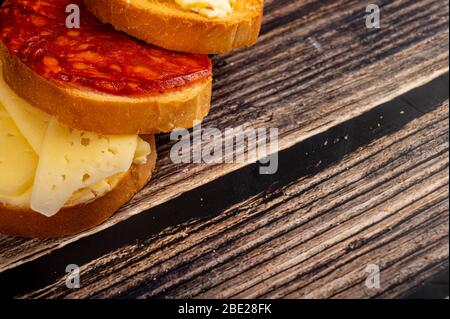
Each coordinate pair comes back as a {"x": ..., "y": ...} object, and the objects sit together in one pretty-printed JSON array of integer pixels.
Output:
[
  {"x": 108, "y": 114},
  {"x": 186, "y": 32},
  {"x": 73, "y": 220}
]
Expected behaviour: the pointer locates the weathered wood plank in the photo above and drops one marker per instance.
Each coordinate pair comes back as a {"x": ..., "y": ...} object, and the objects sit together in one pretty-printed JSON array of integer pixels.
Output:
[
  {"x": 315, "y": 66},
  {"x": 385, "y": 204}
]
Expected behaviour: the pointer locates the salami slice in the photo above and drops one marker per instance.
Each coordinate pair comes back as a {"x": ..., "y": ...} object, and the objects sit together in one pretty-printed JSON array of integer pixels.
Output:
[{"x": 94, "y": 56}]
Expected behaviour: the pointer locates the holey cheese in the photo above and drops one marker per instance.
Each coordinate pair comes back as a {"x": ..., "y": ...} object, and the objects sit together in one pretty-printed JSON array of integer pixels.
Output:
[
  {"x": 45, "y": 165},
  {"x": 70, "y": 160}
]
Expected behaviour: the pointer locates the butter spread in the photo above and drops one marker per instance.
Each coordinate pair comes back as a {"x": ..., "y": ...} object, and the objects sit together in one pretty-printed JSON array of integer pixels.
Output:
[
  {"x": 45, "y": 165},
  {"x": 208, "y": 8}
]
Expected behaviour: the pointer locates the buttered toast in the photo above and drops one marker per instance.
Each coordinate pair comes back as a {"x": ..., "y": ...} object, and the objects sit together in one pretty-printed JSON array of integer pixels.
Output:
[{"x": 185, "y": 25}]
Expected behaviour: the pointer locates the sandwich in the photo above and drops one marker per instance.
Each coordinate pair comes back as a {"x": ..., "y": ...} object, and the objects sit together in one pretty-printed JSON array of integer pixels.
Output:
[
  {"x": 94, "y": 78},
  {"x": 57, "y": 181},
  {"x": 81, "y": 101},
  {"x": 78, "y": 112},
  {"x": 195, "y": 26}
]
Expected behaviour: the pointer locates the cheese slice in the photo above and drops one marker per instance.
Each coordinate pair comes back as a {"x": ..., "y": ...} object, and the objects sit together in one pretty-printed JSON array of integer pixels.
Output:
[
  {"x": 17, "y": 201},
  {"x": 143, "y": 150},
  {"x": 71, "y": 160},
  {"x": 45, "y": 165},
  {"x": 3, "y": 112},
  {"x": 31, "y": 121},
  {"x": 18, "y": 161}
]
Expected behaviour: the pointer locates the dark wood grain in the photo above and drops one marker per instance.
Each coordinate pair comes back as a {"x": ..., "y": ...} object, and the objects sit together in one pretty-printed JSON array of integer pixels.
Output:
[
  {"x": 315, "y": 66},
  {"x": 385, "y": 204}
]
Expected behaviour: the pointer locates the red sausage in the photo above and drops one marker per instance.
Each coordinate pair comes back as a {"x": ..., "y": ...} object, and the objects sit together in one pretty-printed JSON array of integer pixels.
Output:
[{"x": 95, "y": 56}]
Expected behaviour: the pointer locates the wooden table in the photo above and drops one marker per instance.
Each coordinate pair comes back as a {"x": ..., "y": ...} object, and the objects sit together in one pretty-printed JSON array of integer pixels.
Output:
[{"x": 363, "y": 174}]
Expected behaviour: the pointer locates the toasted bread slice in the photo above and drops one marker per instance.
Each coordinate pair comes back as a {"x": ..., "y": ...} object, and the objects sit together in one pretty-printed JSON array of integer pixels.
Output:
[
  {"x": 108, "y": 114},
  {"x": 165, "y": 24},
  {"x": 74, "y": 219}
]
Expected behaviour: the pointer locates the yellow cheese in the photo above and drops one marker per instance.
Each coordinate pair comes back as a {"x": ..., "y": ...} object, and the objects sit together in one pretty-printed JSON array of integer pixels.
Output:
[
  {"x": 31, "y": 121},
  {"x": 208, "y": 8},
  {"x": 88, "y": 194},
  {"x": 46, "y": 165},
  {"x": 143, "y": 150},
  {"x": 71, "y": 160},
  {"x": 3, "y": 111},
  {"x": 20, "y": 201},
  {"x": 97, "y": 190},
  {"x": 93, "y": 192},
  {"x": 18, "y": 161}
]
